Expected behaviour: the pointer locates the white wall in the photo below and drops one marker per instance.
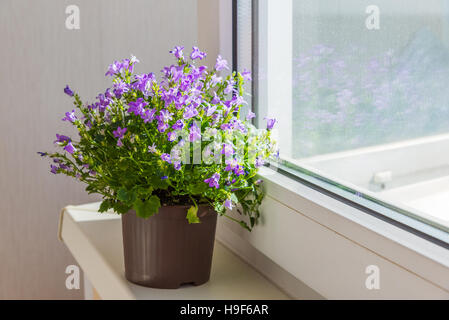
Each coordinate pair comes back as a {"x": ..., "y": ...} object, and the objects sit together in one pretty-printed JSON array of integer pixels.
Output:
[{"x": 38, "y": 57}]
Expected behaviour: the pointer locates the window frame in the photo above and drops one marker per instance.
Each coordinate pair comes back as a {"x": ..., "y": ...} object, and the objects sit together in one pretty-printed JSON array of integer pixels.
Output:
[{"x": 365, "y": 203}]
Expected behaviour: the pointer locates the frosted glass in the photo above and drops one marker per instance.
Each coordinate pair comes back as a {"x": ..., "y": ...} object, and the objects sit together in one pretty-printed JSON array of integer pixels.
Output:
[{"x": 355, "y": 87}]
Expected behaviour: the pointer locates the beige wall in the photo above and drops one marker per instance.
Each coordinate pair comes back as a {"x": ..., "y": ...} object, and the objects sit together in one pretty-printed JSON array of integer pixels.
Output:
[{"x": 38, "y": 56}]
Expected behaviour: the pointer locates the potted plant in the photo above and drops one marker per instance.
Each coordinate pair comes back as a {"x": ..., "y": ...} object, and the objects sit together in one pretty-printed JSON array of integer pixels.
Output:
[{"x": 168, "y": 155}]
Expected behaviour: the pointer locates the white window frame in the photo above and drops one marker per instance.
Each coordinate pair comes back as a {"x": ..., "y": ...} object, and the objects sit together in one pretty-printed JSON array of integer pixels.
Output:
[{"x": 325, "y": 244}]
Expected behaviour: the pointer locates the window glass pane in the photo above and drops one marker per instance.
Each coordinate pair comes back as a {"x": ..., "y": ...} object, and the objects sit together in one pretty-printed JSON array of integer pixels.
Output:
[{"x": 362, "y": 94}]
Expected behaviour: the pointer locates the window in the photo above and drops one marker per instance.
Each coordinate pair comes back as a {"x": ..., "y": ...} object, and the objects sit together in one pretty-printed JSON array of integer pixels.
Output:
[{"x": 360, "y": 91}]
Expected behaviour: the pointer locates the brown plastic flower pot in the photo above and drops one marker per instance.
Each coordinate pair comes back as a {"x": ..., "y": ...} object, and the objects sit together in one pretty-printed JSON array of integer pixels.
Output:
[{"x": 165, "y": 251}]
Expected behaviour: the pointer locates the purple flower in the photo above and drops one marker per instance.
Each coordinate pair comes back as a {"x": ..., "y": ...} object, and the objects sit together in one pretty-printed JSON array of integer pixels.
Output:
[
  {"x": 177, "y": 165},
  {"x": 114, "y": 68},
  {"x": 120, "y": 88},
  {"x": 148, "y": 115},
  {"x": 190, "y": 112},
  {"x": 70, "y": 116},
  {"x": 197, "y": 54},
  {"x": 162, "y": 126},
  {"x": 226, "y": 127},
  {"x": 210, "y": 110},
  {"x": 164, "y": 177},
  {"x": 68, "y": 91},
  {"x": 42, "y": 154},
  {"x": 214, "y": 80},
  {"x": 54, "y": 169},
  {"x": 178, "y": 125},
  {"x": 93, "y": 173},
  {"x": 194, "y": 133},
  {"x": 246, "y": 74},
  {"x": 259, "y": 162},
  {"x": 231, "y": 164},
  {"x": 70, "y": 148},
  {"x": 164, "y": 116},
  {"x": 239, "y": 170},
  {"x": 177, "y": 52},
  {"x": 61, "y": 139},
  {"x": 270, "y": 123},
  {"x": 171, "y": 136},
  {"x": 229, "y": 87},
  {"x": 228, "y": 204},
  {"x": 250, "y": 115},
  {"x": 119, "y": 133},
  {"x": 152, "y": 148},
  {"x": 213, "y": 181},
  {"x": 215, "y": 99},
  {"x": 221, "y": 64},
  {"x": 143, "y": 82},
  {"x": 227, "y": 150},
  {"x": 137, "y": 107},
  {"x": 166, "y": 157}
]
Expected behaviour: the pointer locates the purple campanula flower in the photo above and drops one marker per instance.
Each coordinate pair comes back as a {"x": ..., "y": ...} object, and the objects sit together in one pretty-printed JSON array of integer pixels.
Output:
[
  {"x": 54, "y": 169},
  {"x": 270, "y": 123},
  {"x": 70, "y": 148},
  {"x": 250, "y": 115},
  {"x": 214, "y": 80},
  {"x": 215, "y": 99},
  {"x": 178, "y": 125},
  {"x": 148, "y": 115},
  {"x": 213, "y": 181},
  {"x": 162, "y": 126},
  {"x": 143, "y": 82},
  {"x": 226, "y": 127},
  {"x": 42, "y": 154},
  {"x": 61, "y": 139},
  {"x": 152, "y": 148},
  {"x": 164, "y": 116},
  {"x": 119, "y": 133},
  {"x": 70, "y": 116},
  {"x": 197, "y": 54},
  {"x": 231, "y": 164},
  {"x": 133, "y": 59},
  {"x": 177, "y": 165},
  {"x": 229, "y": 88},
  {"x": 114, "y": 68},
  {"x": 177, "y": 52},
  {"x": 171, "y": 136},
  {"x": 210, "y": 110},
  {"x": 166, "y": 157},
  {"x": 259, "y": 162},
  {"x": 68, "y": 91},
  {"x": 120, "y": 88},
  {"x": 239, "y": 170},
  {"x": 194, "y": 133},
  {"x": 227, "y": 150},
  {"x": 190, "y": 112},
  {"x": 221, "y": 64},
  {"x": 246, "y": 74},
  {"x": 228, "y": 204},
  {"x": 92, "y": 173},
  {"x": 164, "y": 177},
  {"x": 137, "y": 107}
]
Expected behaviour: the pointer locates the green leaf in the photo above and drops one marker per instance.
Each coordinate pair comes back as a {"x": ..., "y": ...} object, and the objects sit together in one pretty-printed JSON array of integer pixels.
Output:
[
  {"x": 126, "y": 196},
  {"x": 146, "y": 209},
  {"x": 192, "y": 215},
  {"x": 199, "y": 188},
  {"x": 105, "y": 205}
]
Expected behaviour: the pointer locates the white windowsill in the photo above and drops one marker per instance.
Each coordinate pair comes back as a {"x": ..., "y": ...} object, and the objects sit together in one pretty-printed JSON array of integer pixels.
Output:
[{"x": 327, "y": 245}]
